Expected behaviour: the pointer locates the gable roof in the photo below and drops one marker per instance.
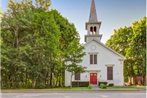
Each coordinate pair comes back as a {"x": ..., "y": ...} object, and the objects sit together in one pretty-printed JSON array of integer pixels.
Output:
[{"x": 108, "y": 48}]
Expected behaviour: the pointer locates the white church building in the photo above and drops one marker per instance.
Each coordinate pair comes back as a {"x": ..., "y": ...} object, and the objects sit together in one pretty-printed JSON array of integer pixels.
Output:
[{"x": 102, "y": 63}]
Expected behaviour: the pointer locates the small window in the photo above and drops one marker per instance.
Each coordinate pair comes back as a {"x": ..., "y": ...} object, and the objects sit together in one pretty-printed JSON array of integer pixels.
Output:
[
  {"x": 109, "y": 73},
  {"x": 77, "y": 76},
  {"x": 93, "y": 58}
]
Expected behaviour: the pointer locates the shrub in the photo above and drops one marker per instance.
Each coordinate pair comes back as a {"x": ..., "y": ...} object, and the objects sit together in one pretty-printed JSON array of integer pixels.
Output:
[
  {"x": 89, "y": 87},
  {"x": 103, "y": 86},
  {"x": 80, "y": 84},
  {"x": 102, "y": 83},
  {"x": 111, "y": 84}
]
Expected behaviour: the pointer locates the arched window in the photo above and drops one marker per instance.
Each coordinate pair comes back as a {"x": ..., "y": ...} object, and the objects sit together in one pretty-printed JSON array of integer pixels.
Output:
[
  {"x": 91, "y": 29},
  {"x": 95, "y": 29}
]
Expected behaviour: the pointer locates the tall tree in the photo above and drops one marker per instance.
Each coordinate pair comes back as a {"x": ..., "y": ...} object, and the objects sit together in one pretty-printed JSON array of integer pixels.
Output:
[
  {"x": 74, "y": 58},
  {"x": 35, "y": 44},
  {"x": 137, "y": 48},
  {"x": 131, "y": 42}
]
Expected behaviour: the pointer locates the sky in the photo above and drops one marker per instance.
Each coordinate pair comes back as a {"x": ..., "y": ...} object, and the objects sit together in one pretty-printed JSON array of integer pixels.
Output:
[{"x": 112, "y": 13}]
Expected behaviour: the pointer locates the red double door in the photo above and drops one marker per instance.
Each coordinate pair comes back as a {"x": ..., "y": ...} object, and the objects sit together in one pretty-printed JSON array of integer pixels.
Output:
[{"x": 93, "y": 78}]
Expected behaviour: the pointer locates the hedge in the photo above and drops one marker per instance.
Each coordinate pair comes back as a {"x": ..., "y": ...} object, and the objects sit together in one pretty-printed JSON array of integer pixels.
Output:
[
  {"x": 80, "y": 84},
  {"x": 103, "y": 83}
]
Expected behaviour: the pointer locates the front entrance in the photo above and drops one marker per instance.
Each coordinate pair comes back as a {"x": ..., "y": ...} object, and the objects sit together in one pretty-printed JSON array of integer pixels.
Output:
[{"x": 93, "y": 78}]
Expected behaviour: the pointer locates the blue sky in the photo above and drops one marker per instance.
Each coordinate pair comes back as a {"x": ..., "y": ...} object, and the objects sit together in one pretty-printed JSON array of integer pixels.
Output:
[{"x": 112, "y": 13}]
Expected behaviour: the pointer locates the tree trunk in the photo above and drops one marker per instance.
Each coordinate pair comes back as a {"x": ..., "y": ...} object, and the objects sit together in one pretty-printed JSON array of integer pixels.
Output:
[
  {"x": 34, "y": 83},
  {"x": 63, "y": 77},
  {"x": 51, "y": 77}
]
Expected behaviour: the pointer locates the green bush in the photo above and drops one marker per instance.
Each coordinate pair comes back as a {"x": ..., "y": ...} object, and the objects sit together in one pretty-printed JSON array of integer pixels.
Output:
[
  {"x": 80, "y": 84},
  {"x": 103, "y": 86},
  {"x": 103, "y": 83},
  {"x": 89, "y": 87},
  {"x": 111, "y": 84},
  {"x": 40, "y": 86}
]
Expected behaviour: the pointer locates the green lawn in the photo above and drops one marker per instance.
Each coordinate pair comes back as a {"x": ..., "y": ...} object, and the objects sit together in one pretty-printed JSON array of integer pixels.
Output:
[
  {"x": 44, "y": 90},
  {"x": 75, "y": 89},
  {"x": 126, "y": 88}
]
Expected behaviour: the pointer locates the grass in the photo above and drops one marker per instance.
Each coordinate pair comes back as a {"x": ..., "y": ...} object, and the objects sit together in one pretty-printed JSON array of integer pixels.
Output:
[
  {"x": 125, "y": 88},
  {"x": 76, "y": 89},
  {"x": 45, "y": 90},
  {"x": 73, "y": 88}
]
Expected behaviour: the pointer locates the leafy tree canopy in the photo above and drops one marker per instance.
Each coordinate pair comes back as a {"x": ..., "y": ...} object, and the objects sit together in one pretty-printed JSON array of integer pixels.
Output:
[
  {"x": 35, "y": 43},
  {"x": 131, "y": 42}
]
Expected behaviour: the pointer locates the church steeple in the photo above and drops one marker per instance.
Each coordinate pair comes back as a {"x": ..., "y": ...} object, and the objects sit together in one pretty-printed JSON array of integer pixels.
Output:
[
  {"x": 93, "y": 25},
  {"x": 93, "y": 14}
]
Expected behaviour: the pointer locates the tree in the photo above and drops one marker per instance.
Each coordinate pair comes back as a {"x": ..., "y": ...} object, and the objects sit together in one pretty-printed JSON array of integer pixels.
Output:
[
  {"x": 137, "y": 48},
  {"x": 35, "y": 42},
  {"x": 75, "y": 58},
  {"x": 13, "y": 31},
  {"x": 131, "y": 42}
]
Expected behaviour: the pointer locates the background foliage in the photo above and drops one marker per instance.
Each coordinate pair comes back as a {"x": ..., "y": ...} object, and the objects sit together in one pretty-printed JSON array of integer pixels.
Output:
[
  {"x": 36, "y": 42},
  {"x": 131, "y": 42}
]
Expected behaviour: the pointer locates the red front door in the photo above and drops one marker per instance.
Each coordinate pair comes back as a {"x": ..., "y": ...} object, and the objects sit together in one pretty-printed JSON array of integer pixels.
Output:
[{"x": 93, "y": 78}]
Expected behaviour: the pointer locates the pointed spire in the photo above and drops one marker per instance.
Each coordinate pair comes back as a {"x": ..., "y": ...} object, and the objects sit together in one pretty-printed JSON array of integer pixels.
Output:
[{"x": 93, "y": 15}]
